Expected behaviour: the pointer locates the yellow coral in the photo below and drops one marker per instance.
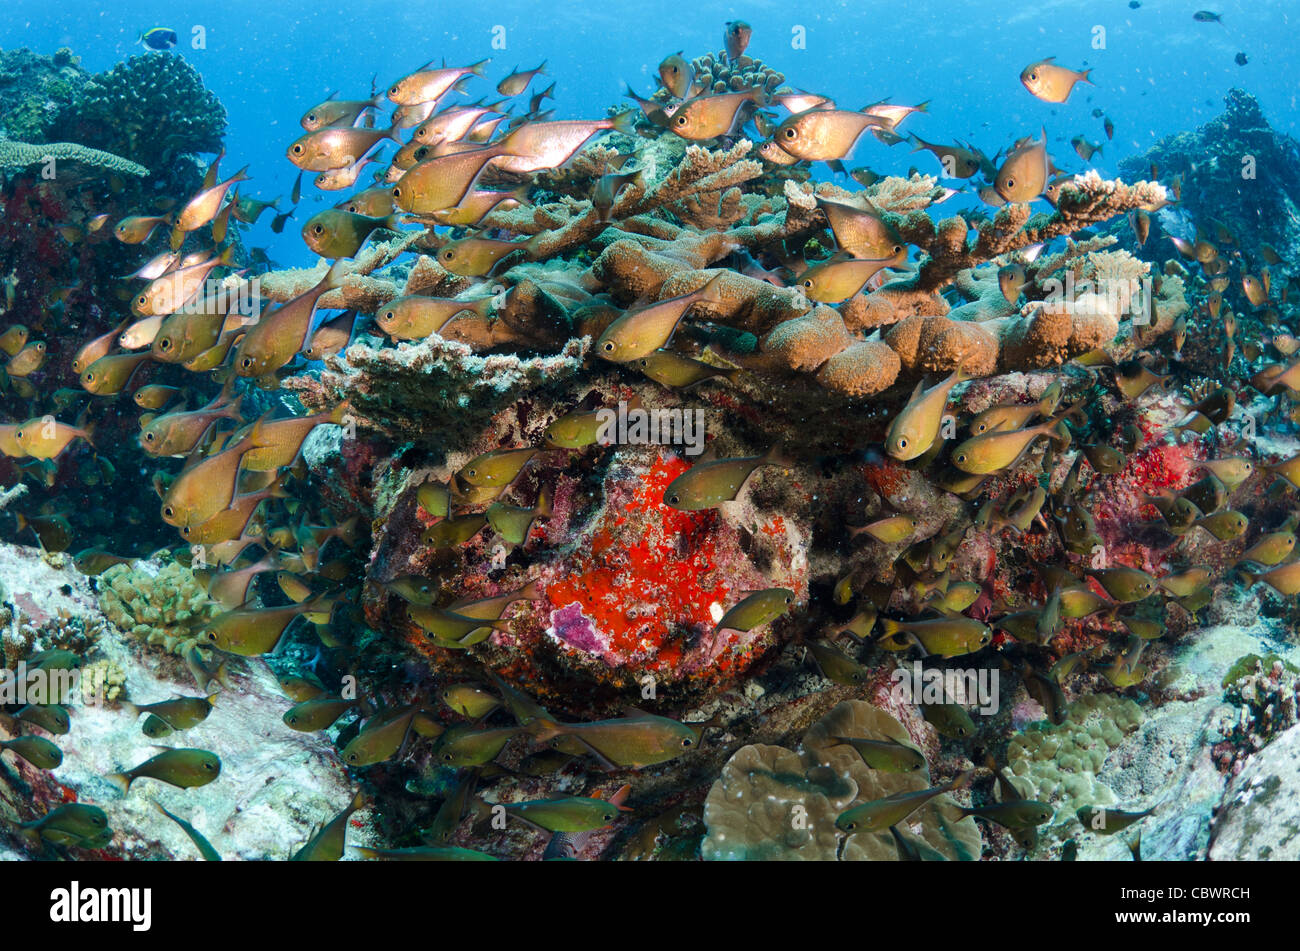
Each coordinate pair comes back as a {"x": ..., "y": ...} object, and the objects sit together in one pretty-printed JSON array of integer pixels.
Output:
[{"x": 167, "y": 606}]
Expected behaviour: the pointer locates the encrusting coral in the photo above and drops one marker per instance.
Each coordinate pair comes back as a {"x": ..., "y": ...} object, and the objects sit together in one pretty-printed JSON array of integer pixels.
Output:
[
  {"x": 1060, "y": 762},
  {"x": 771, "y": 803}
]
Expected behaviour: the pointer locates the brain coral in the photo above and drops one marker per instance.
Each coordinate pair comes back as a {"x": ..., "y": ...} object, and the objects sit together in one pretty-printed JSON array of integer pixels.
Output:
[{"x": 771, "y": 803}]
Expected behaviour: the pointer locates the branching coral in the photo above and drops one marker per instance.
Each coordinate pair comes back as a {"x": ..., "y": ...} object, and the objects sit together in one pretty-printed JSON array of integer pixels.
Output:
[{"x": 164, "y": 606}]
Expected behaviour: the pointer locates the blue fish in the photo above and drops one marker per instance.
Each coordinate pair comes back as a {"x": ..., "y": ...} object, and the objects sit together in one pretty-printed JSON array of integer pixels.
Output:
[{"x": 159, "y": 38}]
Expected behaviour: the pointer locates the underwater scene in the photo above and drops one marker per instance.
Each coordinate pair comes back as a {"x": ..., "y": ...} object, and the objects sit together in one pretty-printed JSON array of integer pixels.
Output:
[{"x": 835, "y": 432}]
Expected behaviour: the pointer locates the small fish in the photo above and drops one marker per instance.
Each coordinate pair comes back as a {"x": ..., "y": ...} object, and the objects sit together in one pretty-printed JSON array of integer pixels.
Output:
[
  {"x": 427, "y": 85},
  {"x": 735, "y": 38},
  {"x": 185, "y": 768},
  {"x": 1012, "y": 813},
  {"x": 947, "y": 637},
  {"x": 994, "y": 451},
  {"x": 203, "y": 845},
  {"x": 1104, "y": 820},
  {"x": 159, "y": 38},
  {"x": 72, "y": 824},
  {"x": 880, "y": 814},
  {"x": 1207, "y": 16},
  {"x": 468, "y": 746},
  {"x": 1084, "y": 149},
  {"x": 569, "y": 814},
  {"x": 717, "y": 114},
  {"x": 1125, "y": 584},
  {"x": 837, "y": 666},
  {"x": 707, "y": 485},
  {"x": 333, "y": 233},
  {"x": 470, "y": 700},
  {"x": 136, "y": 229},
  {"x": 824, "y": 134},
  {"x": 380, "y": 739},
  {"x": 887, "y": 755},
  {"x": 756, "y": 609},
  {"x": 890, "y": 530},
  {"x": 180, "y": 713},
  {"x": 327, "y": 845},
  {"x": 1241, "y": 59},
  {"x": 253, "y": 631},
  {"x": 914, "y": 430},
  {"x": 840, "y": 277},
  {"x": 1052, "y": 83},
  {"x": 677, "y": 75},
  {"x": 43, "y": 438},
  {"x": 635, "y": 741},
  {"x": 1284, "y": 579},
  {"x": 1024, "y": 172},
  {"x": 36, "y": 750},
  {"x": 333, "y": 148}
]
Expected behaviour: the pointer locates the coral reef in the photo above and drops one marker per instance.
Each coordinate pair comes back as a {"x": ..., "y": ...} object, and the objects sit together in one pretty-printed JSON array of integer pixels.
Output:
[
  {"x": 162, "y": 604},
  {"x": 773, "y": 804},
  {"x": 23, "y": 155},
  {"x": 1060, "y": 762}
]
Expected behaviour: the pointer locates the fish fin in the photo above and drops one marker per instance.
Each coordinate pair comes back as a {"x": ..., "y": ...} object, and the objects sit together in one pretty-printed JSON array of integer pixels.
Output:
[{"x": 121, "y": 780}]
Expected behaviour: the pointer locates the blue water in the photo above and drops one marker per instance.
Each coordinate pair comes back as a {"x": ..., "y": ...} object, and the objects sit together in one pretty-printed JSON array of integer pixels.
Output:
[{"x": 1160, "y": 71}]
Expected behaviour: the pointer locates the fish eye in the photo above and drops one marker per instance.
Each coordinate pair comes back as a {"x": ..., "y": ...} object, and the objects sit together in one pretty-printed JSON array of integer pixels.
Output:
[
  {"x": 961, "y": 457},
  {"x": 808, "y": 283},
  {"x": 212, "y": 636},
  {"x": 687, "y": 741},
  {"x": 168, "y": 511},
  {"x": 1011, "y": 183},
  {"x": 297, "y": 150},
  {"x": 209, "y": 766},
  {"x": 142, "y": 300},
  {"x": 352, "y": 757},
  {"x": 674, "y": 499},
  {"x": 447, "y": 757},
  {"x": 389, "y": 315},
  {"x": 902, "y": 442},
  {"x": 850, "y": 826},
  {"x": 609, "y": 346},
  {"x": 897, "y": 248},
  {"x": 246, "y": 362},
  {"x": 165, "y": 343},
  {"x": 790, "y": 133},
  {"x": 448, "y": 254},
  {"x": 397, "y": 192},
  {"x": 311, "y": 117},
  {"x": 148, "y": 437},
  {"x": 318, "y": 229}
]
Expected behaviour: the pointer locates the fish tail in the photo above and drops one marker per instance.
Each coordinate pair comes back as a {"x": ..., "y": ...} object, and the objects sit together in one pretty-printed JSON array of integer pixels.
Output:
[
  {"x": 544, "y": 729},
  {"x": 624, "y": 122},
  {"x": 545, "y": 502},
  {"x": 337, "y": 414},
  {"x": 1085, "y": 77},
  {"x": 121, "y": 780},
  {"x": 776, "y": 456},
  {"x": 477, "y": 68},
  {"x": 889, "y": 627},
  {"x": 130, "y": 708},
  {"x": 961, "y": 780}
]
